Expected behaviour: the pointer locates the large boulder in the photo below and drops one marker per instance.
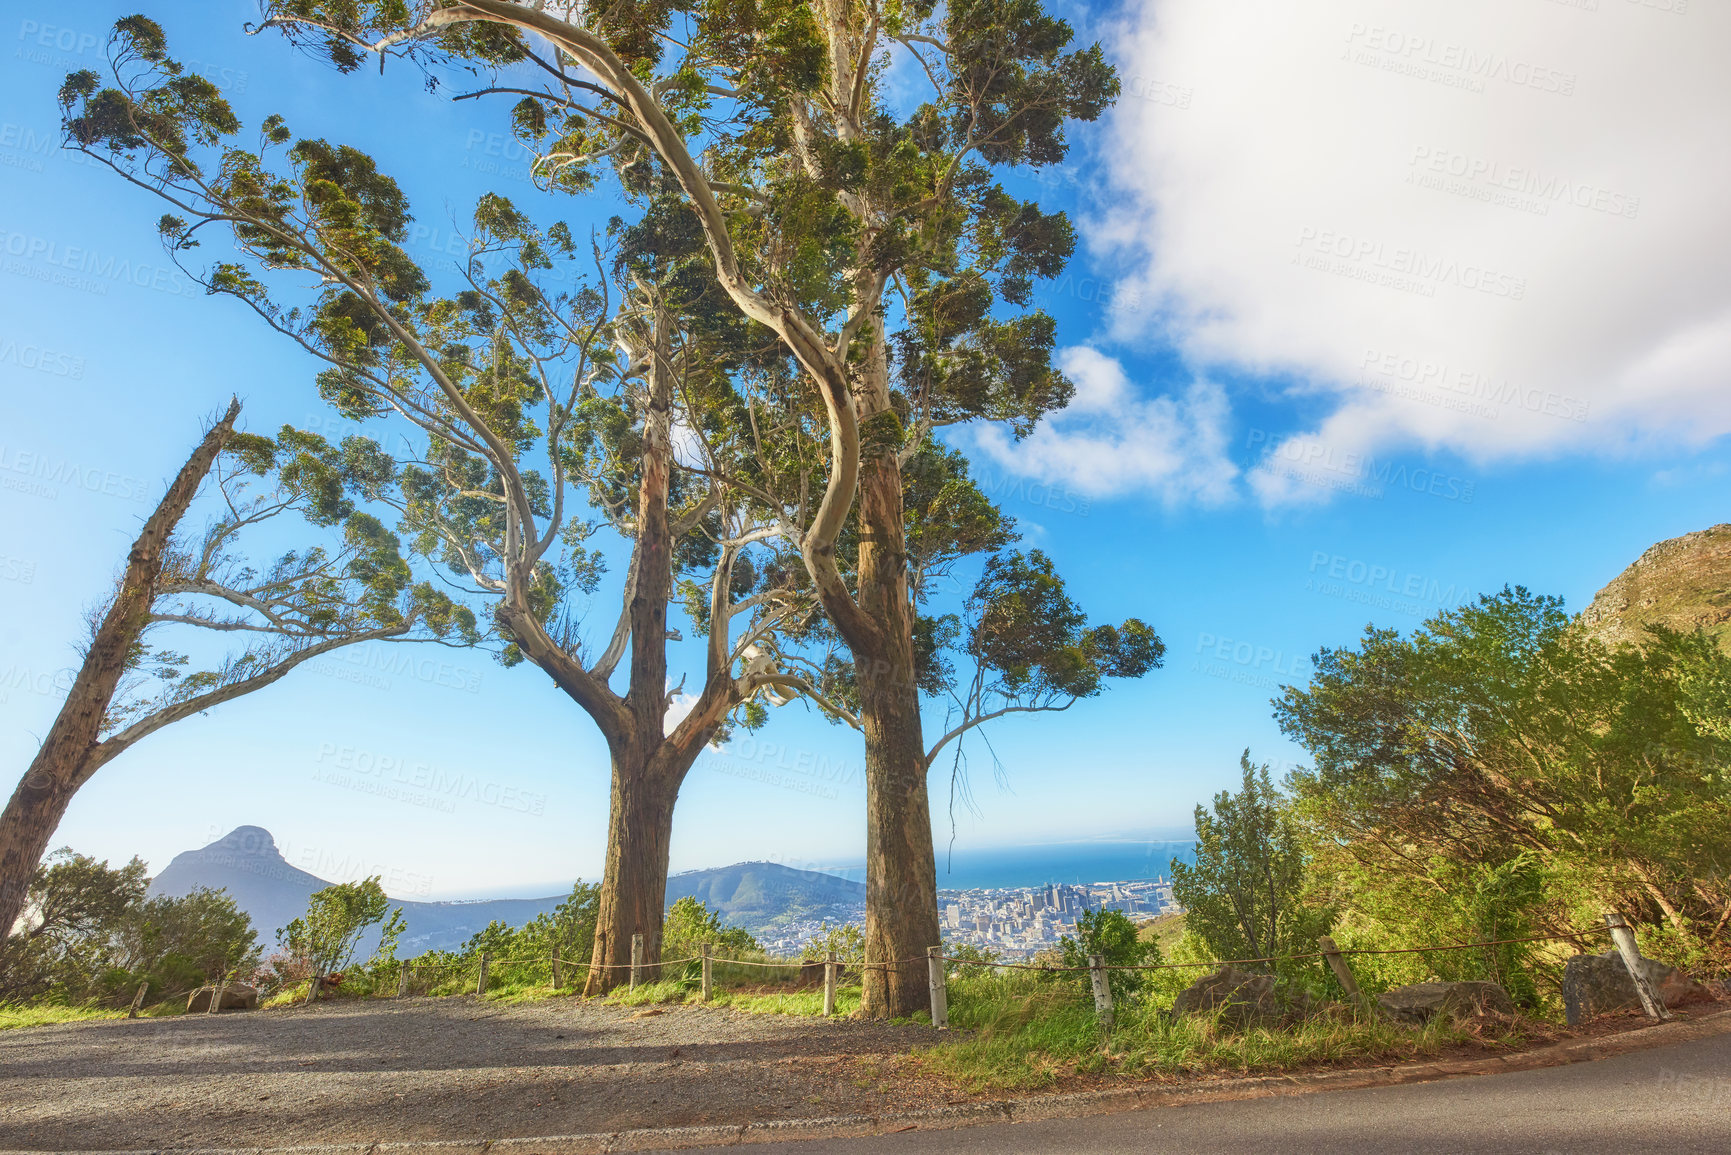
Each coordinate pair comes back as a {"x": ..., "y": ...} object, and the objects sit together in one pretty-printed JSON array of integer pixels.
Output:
[
  {"x": 1597, "y": 984},
  {"x": 1241, "y": 998},
  {"x": 1422, "y": 1002},
  {"x": 235, "y": 997}
]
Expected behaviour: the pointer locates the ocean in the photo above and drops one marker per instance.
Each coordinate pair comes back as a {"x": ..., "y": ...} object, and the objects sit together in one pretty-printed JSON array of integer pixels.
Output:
[{"x": 1035, "y": 865}]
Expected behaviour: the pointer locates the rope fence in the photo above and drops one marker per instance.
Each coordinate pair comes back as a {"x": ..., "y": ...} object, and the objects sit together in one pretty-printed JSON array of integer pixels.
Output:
[
  {"x": 937, "y": 964},
  {"x": 1321, "y": 954}
]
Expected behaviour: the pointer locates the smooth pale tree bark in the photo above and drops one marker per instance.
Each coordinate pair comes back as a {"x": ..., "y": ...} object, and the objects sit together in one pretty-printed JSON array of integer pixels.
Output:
[{"x": 65, "y": 762}]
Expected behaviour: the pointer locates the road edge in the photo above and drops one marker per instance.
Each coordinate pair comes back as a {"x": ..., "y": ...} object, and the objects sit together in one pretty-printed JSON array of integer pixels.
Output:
[{"x": 1026, "y": 1109}]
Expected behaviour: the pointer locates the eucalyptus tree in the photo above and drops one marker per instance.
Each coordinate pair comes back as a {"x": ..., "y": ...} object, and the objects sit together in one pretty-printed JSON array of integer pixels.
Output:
[
  {"x": 203, "y": 590},
  {"x": 545, "y": 409},
  {"x": 873, "y": 241}
]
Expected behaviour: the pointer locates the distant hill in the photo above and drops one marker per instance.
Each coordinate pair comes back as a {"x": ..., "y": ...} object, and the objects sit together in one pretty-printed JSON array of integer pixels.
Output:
[
  {"x": 247, "y": 864},
  {"x": 1683, "y": 583},
  {"x": 762, "y": 895}
]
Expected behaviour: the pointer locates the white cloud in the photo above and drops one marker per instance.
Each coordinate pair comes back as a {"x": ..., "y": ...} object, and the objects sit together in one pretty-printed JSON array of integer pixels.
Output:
[
  {"x": 1109, "y": 441},
  {"x": 1495, "y": 227}
]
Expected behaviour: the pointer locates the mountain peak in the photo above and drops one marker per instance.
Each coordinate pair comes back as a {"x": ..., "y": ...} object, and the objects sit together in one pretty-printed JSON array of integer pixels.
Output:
[{"x": 251, "y": 841}]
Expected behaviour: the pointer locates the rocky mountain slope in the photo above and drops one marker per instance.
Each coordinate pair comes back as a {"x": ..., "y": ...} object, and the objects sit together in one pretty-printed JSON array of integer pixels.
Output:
[{"x": 1683, "y": 583}]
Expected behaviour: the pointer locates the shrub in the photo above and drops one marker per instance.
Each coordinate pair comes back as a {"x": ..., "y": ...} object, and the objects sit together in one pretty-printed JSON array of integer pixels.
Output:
[{"x": 1113, "y": 936}]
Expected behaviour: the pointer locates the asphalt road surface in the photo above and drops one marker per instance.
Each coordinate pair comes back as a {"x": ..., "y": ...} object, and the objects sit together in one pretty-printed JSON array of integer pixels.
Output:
[{"x": 1671, "y": 1099}]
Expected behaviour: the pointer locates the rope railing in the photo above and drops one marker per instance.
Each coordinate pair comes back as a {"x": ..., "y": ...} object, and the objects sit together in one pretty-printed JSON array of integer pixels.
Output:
[
  {"x": 937, "y": 964},
  {"x": 1569, "y": 936}
]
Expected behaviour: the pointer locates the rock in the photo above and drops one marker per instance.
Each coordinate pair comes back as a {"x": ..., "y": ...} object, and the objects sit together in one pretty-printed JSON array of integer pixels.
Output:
[
  {"x": 1241, "y": 998},
  {"x": 235, "y": 997},
  {"x": 1596, "y": 984},
  {"x": 1422, "y": 1002}
]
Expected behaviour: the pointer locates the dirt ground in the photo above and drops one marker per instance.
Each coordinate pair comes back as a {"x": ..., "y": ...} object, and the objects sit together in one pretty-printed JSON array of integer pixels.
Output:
[
  {"x": 460, "y": 1068},
  {"x": 449, "y": 1068}
]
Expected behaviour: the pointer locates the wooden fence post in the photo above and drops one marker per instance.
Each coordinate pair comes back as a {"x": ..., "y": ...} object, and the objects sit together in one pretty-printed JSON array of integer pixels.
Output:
[
  {"x": 1102, "y": 989},
  {"x": 1624, "y": 937},
  {"x": 1342, "y": 972},
  {"x": 217, "y": 988},
  {"x": 481, "y": 986},
  {"x": 636, "y": 958},
  {"x": 829, "y": 985},
  {"x": 555, "y": 966},
  {"x": 708, "y": 986},
  {"x": 137, "y": 1000},
  {"x": 403, "y": 981},
  {"x": 940, "y": 996}
]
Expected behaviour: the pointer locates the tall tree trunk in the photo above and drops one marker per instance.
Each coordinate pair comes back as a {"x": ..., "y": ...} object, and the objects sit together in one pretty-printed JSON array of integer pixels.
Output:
[
  {"x": 647, "y": 768},
  {"x": 901, "y": 868},
  {"x": 64, "y": 762},
  {"x": 633, "y": 897}
]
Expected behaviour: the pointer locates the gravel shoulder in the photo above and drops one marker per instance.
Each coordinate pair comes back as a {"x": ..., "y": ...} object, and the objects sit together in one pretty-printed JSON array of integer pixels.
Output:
[
  {"x": 415, "y": 1070},
  {"x": 446, "y": 1068}
]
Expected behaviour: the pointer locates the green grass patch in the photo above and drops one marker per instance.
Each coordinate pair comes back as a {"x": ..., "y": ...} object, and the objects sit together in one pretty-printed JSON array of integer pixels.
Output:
[
  {"x": 792, "y": 1002},
  {"x": 1030, "y": 1032},
  {"x": 45, "y": 1014},
  {"x": 759, "y": 1001}
]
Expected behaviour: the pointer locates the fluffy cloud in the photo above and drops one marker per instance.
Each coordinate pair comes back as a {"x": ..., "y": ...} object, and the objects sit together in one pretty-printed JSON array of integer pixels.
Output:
[
  {"x": 1110, "y": 441},
  {"x": 1495, "y": 227}
]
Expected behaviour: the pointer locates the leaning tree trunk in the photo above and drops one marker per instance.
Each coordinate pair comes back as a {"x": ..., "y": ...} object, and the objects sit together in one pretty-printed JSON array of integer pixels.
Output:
[
  {"x": 64, "y": 762},
  {"x": 901, "y": 868}
]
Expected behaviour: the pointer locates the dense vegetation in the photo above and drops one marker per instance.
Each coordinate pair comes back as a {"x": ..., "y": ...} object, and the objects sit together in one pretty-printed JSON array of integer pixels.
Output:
[{"x": 91, "y": 937}]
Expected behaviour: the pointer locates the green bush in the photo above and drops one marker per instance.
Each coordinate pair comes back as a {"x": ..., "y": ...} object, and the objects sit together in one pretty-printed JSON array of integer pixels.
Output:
[
  {"x": 90, "y": 936},
  {"x": 1112, "y": 935}
]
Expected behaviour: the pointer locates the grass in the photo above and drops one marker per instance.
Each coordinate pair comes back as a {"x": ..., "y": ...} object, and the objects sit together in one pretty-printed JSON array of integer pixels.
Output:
[
  {"x": 758, "y": 1001},
  {"x": 45, "y": 1014},
  {"x": 1028, "y": 1032}
]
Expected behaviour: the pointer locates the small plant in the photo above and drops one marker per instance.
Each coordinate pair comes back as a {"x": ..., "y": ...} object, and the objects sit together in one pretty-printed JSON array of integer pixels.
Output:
[
  {"x": 327, "y": 935},
  {"x": 846, "y": 940},
  {"x": 1113, "y": 936}
]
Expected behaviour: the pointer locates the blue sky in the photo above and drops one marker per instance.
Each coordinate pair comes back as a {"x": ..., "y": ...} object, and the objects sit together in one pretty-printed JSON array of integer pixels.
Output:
[{"x": 1297, "y": 413}]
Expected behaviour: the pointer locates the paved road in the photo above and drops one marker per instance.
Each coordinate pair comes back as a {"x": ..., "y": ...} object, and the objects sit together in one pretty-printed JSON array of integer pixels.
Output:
[{"x": 1672, "y": 1099}]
